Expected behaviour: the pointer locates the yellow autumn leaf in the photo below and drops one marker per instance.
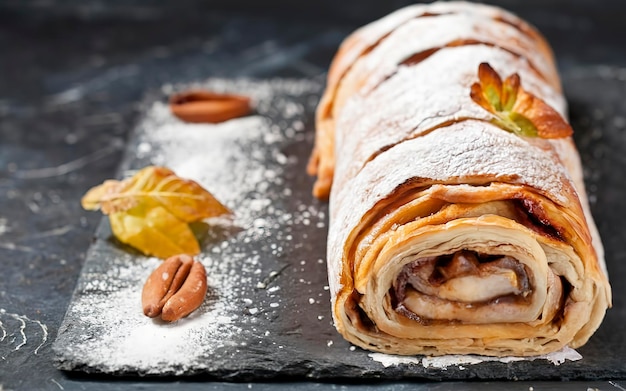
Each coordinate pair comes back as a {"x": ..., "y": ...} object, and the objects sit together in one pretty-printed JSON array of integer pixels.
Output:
[
  {"x": 184, "y": 198},
  {"x": 151, "y": 211},
  {"x": 93, "y": 199},
  {"x": 154, "y": 232}
]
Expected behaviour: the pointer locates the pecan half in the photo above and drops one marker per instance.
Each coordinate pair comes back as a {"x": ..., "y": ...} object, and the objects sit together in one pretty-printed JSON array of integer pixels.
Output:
[
  {"x": 204, "y": 106},
  {"x": 174, "y": 289}
]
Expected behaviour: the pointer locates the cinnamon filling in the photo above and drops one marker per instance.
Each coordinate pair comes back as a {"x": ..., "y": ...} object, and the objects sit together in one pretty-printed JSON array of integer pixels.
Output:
[{"x": 465, "y": 277}]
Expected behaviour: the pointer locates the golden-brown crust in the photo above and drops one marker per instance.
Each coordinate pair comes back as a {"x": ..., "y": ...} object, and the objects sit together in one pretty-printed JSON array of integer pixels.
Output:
[{"x": 414, "y": 168}]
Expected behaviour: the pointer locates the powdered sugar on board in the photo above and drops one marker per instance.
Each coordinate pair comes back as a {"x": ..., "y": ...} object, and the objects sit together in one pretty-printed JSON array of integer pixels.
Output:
[
  {"x": 123, "y": 338},
  {"x": 460, "y": 361},
  {"x": 247, "y": 163}
]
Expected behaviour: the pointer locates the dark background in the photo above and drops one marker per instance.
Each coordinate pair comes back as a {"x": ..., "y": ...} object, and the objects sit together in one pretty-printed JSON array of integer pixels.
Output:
[{"x": 72, "y": 76}]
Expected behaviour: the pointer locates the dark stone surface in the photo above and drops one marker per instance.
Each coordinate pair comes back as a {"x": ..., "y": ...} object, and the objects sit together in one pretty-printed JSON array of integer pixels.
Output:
[{"x": 72, "y": 74}]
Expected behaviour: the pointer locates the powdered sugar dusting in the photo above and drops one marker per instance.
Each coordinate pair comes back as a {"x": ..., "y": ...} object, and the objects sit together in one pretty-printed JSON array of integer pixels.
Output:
[
  {"x": 457, "y": 360},
  {"x": 438, "y": 32},
  {"x": 555, "y": 358},
  {"x": 366, "y": 125},
  {"x": 127, "y": 339},
  {"x": 243, "y": 163},
  {"x": 389, "y": 359}
]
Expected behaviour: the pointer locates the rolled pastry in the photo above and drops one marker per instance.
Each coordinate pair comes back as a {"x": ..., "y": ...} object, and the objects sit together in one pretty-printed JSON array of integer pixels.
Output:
[{"x": 449, "y": 234}]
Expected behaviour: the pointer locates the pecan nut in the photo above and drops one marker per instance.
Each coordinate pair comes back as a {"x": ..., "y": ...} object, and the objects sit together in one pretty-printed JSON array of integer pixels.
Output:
[
  {"x": 174, "y": 289},
  {"x": 204, "y": 106}
]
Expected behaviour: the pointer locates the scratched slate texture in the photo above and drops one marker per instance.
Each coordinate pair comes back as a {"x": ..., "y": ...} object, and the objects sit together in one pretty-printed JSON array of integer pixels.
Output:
[{"x": 72, "y": 75}]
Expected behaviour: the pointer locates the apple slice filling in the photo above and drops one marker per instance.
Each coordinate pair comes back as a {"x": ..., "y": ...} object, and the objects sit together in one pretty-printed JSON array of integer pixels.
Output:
[{"x": 465, "y": 278}]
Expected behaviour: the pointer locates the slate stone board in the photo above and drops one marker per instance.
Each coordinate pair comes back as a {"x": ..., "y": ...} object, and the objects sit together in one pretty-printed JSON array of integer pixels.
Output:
[{"x": 267, "y": 315}]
